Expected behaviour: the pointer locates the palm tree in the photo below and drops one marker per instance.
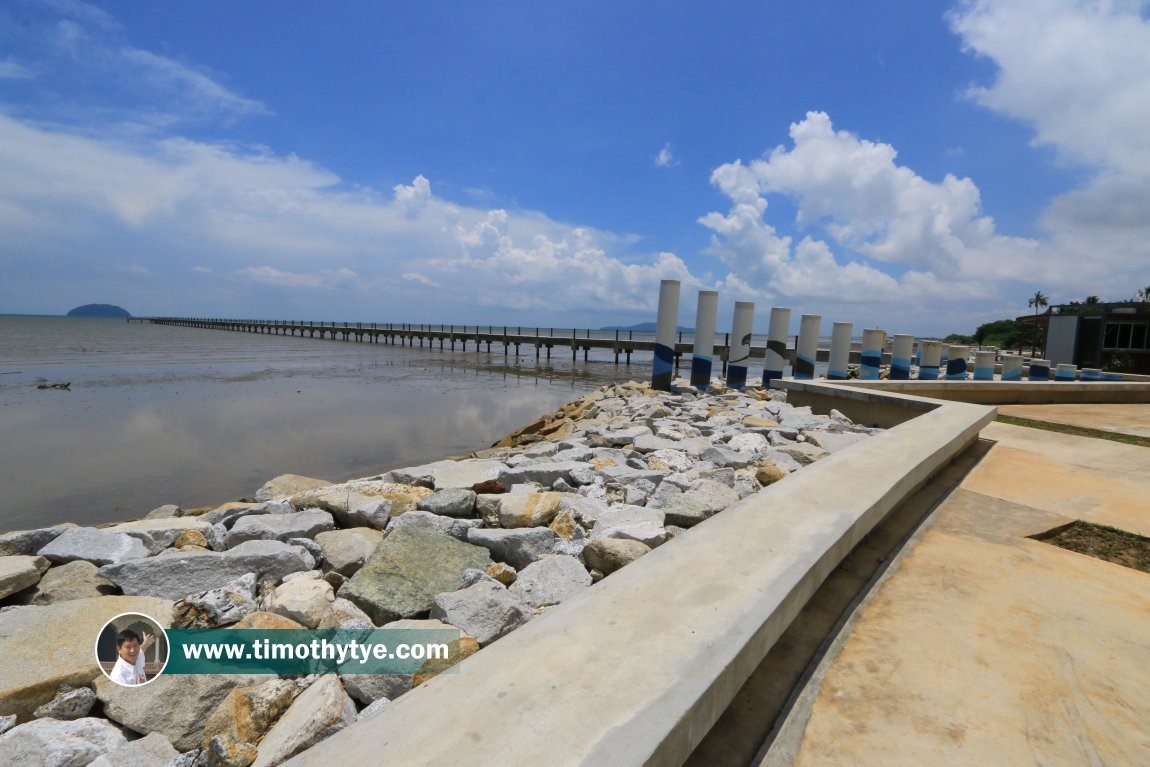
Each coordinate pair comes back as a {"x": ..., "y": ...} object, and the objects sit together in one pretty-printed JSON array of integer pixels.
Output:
[
  {"x": 1091, "y": 300},
  {"x": 1038, "y": 301},
  {"x": 1144, "y": 294}
]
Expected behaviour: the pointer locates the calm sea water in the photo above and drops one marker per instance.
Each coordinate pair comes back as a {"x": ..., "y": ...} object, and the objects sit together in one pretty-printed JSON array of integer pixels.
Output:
[{"x": 161, "y": 414}]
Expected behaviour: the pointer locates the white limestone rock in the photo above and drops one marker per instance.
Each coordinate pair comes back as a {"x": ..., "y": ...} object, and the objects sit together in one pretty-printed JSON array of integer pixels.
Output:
[
  {"x": 20, "y": 571},
  {"x": 152, "y": 750},
  {"x": 635, "y": 523},
  {"x": 306, "y": 601},
  {"x": 158, "y": 534}
]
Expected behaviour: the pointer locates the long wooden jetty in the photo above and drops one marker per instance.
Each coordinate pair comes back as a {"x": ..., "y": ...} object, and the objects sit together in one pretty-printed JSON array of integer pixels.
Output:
[{"x": 622, "y": 343}]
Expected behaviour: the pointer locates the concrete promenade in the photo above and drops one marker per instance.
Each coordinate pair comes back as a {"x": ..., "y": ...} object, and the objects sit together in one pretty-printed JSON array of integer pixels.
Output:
[{"x": 982, "y": 646}]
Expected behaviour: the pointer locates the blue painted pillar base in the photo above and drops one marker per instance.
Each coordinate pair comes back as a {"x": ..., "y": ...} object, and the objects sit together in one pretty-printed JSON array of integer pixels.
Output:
[
  {"x": 700, "y": 372},
  {"x": 771, "y": 375},
  {"x": 736, "y": 376},
  {"x": 663, "y": 369},
  {"x": 956, "y": 370},
  {"x": 899, "y": 369},
  {"x": 1039, "y": 372},
  {"x": 927, "y": 373},
  {"x": 804, "y": 368}
]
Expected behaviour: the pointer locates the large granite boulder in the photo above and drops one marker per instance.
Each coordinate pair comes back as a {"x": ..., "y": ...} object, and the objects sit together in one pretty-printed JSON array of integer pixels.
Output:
[
  {"x": 362, "y": 503},
  {"x": 159, "y": 534},
  {"x": 412, "y": 564},
  {"x": 19, "y": 572},
  {"x": 550, "y": 581},
  {"x": 61, "y": 653},
  {"x": 92, "y": 545},
  {"x": 447, "y": 474},
  {"x": 485, "y": 610},
  {"x": 609, "y": 554},
  {"x": 305, "y": 600},
  {"x": 519, "y": 547},
  {"x": 449, "y": 502},
  {"x": 246, "y": 714},
  {"x": 174, "y": 706},
  {"x": 69, "y": 703},
  {"x": 79, "y": 580},
  {"x": 152, "y": 750},
  {"x": 319, "y": 712},
  {"x": 637, "y": 523},
  {"x": 528, "y": 509},
  {"x": 217, "y": 607},
  {"x": 27, "y": 541},
  {"x": 345, "y": 551},
  {"x": 60, "y": 743},
  {"x": 174, "y": 574},
  {"x": 287, "y": 485},
  {"x": 279, "y": 527}
]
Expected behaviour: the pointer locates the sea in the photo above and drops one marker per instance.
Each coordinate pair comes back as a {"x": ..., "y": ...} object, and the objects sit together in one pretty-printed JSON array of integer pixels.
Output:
[{"x": 156, "y": 414}]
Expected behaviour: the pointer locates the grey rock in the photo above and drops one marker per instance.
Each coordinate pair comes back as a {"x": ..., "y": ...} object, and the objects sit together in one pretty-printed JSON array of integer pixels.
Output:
[
  {"x": 783, "y": 435},
  {"x": 586, "y": 510},
  {"x": 229, "y": 513},
  {"x": 377, "y": 705},
  {"x": 287, "y": 485},
  {"x": 7, "y": 723},
  {"x": 692, "y": 445},
  {"x": 217, "y": 607},
  {"x": 667, "y": 460},
  {"x": 308, "y": 545},
  {"x": 685, "y": 511},
  {"x": 92, "y": 545},
  {"x": 634, "y": 523},
  {"x": 406, "y": 571},
  {"x": 540, "y": 473},
  {"x": 307, "y": 601},
  {"x": 834, "y": 442},
  {"x": 59, "y": 743},
  {"x": 174, "y": 574},
  {"x": 158, "y": 534},
  {"x": 625, "y": 436},
  {"x": 152, "y": 750},
  {"x": 320, "y": 711},
  {"x": 166, "y": 511},
  {"x": 725, "y": 457},
  {"x": 724, "y": 476},
  {"x": 345, "y": 551},
  {"x": 714, "y": 496},
  {"x": 782, "y": 460},
  {"x": 27, "y": 541},
  {"x": 753, "y": 444},
  {"x": 217, "y": 537},
  {"x": 609, "y": 554},
  {"x": 69, "y": 703},
  {"x": 174, "y": 706},
  {"x": 456, "y": 528},
  {"x": 802, "y": 452},
  {"x": 550, "y": 581},
  {"x": 487, "y": 508},
  {"x": 519, "y": 547},
  {"x": 345, "y": 614},
  {"x": 445, "y": 474},
  {"x": 579, "y": 454},
  {"x": 20, "y": 571},
  {"x": 449, "y": 502},
  {"x": 280, "y": 527},
  {"x": 186, "y": 759},
  {"x": 485, "y": 611}
]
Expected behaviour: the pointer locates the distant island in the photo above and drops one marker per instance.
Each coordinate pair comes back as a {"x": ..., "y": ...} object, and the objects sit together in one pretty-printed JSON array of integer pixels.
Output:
[
  {"x": 99, "y": 310},
  {"x": 646, "y": 327}
]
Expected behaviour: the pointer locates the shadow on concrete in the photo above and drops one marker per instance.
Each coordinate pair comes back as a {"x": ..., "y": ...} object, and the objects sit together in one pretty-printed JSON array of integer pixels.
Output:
[{"x": 747, "y": 729}]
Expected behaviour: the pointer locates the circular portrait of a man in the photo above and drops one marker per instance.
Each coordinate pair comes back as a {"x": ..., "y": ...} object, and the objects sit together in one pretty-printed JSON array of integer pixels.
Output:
[{"x": 132, "y": 649}]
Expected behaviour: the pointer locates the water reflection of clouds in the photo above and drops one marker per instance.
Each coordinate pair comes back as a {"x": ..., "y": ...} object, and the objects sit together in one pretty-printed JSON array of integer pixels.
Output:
[{"x": 97, "y": 457}]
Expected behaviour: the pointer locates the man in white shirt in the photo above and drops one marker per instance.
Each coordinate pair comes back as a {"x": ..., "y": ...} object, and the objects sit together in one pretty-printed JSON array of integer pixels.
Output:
[{"x": 129, "y": 668}]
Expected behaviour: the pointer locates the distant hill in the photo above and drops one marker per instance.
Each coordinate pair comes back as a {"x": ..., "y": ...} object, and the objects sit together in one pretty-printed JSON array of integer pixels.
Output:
[
  {"x": 646, "y": 327},
  {"x": 99, "y": 310}
]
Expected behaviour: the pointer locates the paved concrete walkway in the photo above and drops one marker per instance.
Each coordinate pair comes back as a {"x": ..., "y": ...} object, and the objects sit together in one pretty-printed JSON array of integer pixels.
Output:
[
  {"x": 1124, "y": 419},
  {"x": 984, "y": 647}
]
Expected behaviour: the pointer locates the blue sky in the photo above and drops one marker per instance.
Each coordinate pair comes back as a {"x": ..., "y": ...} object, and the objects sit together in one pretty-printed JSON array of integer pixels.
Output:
[{"x": 917, "y": 166}]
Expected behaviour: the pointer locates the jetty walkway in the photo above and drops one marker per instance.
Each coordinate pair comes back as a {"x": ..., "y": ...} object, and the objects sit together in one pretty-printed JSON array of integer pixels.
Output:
[{"x": 623, "y": 343}]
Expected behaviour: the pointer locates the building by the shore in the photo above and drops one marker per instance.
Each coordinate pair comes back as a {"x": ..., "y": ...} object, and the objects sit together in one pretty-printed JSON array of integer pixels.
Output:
[{"x": 1113, "y": 336}]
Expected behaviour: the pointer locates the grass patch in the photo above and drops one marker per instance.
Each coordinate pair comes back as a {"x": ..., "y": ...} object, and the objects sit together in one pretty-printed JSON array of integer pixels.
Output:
[
  {"x": 1102, "y": 542},
  {"x": 1077, "y": 431}
]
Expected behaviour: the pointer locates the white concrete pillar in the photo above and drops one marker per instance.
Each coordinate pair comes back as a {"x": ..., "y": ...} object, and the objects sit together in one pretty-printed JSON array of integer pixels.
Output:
[
  {"x": 776, "y": 357},
  {"x": 984, "y": 365},
  {"x": 956, "y": 364},
  {"x": 1065, "y": 372},
  {"x": 931, "y": 357},
  {"x": 870, "y": 360},
  {"x": 840, "y": 351},
  {"x": 808, "y": 348},
  {"x": 1011, "y": 368},
  {"x": 1039, "y": 370},
  {"x": 704, "y": 351},
  {"x": 740, "y": 353},
  {"x": 900, "y": 357},
  {"x": 663, "y": 368}
]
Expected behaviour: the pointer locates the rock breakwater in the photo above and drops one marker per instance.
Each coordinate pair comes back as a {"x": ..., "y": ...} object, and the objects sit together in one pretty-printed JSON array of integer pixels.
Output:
[{"x": 481, "y": 544}]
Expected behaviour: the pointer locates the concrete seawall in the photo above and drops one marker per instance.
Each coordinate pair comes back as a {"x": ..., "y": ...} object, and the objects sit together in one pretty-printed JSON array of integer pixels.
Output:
[{"x": 685, "y": 626}]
